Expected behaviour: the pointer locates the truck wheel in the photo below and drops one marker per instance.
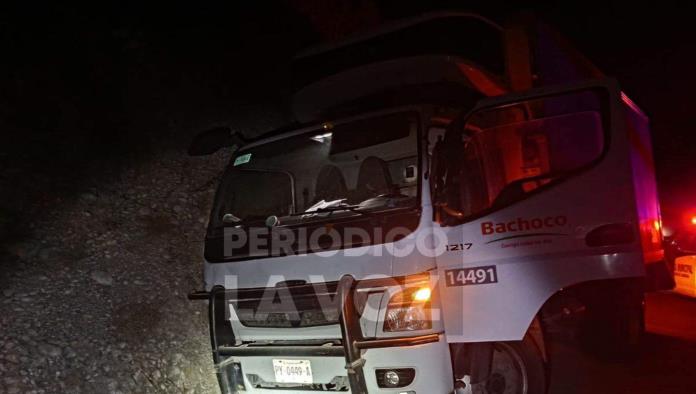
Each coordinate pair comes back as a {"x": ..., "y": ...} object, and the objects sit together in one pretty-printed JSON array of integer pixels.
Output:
[{"x": 516, "y": 368}]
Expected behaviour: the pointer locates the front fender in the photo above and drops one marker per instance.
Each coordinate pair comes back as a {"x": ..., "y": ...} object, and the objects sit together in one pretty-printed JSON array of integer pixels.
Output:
[{"x": 503, "y": 311}]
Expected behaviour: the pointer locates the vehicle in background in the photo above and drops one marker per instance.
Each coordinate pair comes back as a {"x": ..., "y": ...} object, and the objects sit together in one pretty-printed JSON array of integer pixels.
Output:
[
  {"x": 450, "y": 187},
  {"x": 680, "y": 253}
]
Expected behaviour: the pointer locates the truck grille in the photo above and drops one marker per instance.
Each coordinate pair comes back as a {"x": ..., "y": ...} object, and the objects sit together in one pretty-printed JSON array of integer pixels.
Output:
[{"x": 304, "y": 305}]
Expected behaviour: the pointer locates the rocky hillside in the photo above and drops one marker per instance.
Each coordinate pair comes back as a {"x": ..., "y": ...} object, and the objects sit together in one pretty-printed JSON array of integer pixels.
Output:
[{"x": 93, "y": 288}]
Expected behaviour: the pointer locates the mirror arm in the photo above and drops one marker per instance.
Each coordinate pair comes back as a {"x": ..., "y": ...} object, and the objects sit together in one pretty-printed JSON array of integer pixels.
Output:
[{"x": 210, "y": 141}]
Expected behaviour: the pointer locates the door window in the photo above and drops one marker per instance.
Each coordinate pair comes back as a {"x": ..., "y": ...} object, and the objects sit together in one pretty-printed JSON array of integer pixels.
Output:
[{"x": 499, "y": 156}]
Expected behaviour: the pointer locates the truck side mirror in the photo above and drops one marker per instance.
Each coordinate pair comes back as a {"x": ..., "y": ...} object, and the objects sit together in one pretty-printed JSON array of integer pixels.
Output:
[{"x": 212, "y": 140}]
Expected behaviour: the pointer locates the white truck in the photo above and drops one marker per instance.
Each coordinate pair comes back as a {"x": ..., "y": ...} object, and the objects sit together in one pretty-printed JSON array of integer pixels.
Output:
[{"x": 451, "y": 188}]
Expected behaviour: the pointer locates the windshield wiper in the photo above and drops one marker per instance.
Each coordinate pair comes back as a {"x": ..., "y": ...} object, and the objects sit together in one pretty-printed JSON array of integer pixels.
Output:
[
  {"x": 351, "y": 208},
  {"x": 332, "y": 209}
]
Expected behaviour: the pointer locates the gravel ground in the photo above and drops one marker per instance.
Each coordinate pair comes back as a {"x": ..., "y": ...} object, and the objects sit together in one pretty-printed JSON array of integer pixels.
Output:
[{"x": 94, "y": 299}]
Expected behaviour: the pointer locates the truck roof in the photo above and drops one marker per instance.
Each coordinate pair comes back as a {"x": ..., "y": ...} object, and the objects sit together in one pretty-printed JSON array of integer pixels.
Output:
[
  {"x": 466, "y": 35},
  {"x": 434, "y": 79}
]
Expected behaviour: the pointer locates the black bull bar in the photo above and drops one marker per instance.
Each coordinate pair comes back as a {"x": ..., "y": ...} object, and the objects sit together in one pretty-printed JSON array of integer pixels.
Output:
[{"x": 352, "y": 341}]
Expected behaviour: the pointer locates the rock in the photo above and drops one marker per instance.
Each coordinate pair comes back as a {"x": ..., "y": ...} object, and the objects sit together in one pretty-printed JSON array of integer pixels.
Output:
[
  {"x": 23, "y": 250},
  {"x": 44, "y": 254},
  {"x": 144, "y": 211},
  {"x": 50, "y": 350},
  {"x": 174, "y": 372},
  {"x": 91, "y": 197},
  {"x": 7, "y": 292},
  {"x": 102, "y": 278},
  {"x": 12, "y": 385},
  {"x": 177, "y": 358},
  {"x": 69, "y": 353},
  {"x": 13, "y": 358}
]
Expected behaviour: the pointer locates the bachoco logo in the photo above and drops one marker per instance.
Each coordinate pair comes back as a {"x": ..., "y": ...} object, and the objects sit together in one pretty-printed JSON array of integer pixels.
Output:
[{"x": 520, "y": 224}]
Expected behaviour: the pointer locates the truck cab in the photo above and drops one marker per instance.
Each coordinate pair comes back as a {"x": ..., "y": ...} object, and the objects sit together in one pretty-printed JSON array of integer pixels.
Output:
[{"x": 435, "y": 205}]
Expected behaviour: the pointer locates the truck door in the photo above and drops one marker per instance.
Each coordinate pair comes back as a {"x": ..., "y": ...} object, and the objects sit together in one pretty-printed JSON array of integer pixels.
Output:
[{"x": 533, "y": 193}]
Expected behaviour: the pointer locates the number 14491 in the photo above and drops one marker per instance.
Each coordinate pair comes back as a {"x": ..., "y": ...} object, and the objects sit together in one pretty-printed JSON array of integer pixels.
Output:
[{"x": 471, "y": 276}]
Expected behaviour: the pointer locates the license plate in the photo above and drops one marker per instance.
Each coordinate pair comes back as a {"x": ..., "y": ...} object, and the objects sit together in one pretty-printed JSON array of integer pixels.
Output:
[{"x": 292, "y": 371}]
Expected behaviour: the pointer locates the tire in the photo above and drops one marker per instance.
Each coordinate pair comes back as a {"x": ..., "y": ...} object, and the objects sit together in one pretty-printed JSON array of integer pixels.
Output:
[{"x": 517, "y": 368}]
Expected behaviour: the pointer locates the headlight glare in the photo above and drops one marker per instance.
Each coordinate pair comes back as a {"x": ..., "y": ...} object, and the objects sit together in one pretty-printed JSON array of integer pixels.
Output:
[
  {"x": 409, "y": 310},
  {"x": 422, "y": 294}
]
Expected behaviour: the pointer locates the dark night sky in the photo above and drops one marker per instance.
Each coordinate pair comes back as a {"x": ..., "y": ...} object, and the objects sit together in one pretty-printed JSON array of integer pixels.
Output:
[{"x": 80, "y": 86}]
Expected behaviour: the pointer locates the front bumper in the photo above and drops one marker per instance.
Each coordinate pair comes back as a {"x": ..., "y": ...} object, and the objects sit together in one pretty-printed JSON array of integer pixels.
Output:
[
  {"x": 348, "y": 365},
  {"x": 254, "y": 366}
]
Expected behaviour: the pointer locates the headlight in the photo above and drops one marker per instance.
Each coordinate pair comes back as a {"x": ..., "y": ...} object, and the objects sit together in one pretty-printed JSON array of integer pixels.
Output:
[{"x": 409, "y": 310}]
